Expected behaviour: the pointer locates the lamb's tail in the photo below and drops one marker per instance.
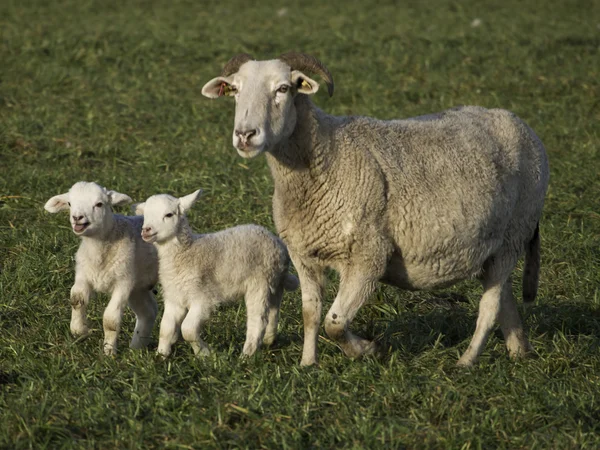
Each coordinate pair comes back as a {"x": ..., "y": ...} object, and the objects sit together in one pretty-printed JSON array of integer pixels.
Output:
[
  {"x": 531, "y": 273},
  {"x": 290, "y": 282}
]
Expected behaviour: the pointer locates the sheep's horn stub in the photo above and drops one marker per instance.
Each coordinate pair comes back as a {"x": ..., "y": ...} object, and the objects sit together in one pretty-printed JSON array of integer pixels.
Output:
[
  {"x": 301, "y": 61},
  {"x": 233, "y": 65}
]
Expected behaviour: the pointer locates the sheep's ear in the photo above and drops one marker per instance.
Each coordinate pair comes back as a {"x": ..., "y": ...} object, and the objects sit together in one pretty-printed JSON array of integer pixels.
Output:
[
  {"x": 138, "y": 208},
  {"x": 57, "y": 203},
  {"x": 304, "y": 85},
  {"x": 186, "y": 202},
  {"x": 218, "y": 87},
  {"x": 116, "y": 198}
]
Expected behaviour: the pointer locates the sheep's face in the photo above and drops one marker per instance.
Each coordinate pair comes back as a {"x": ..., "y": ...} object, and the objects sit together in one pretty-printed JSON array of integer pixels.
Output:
[
  {"x": 264, "y": 93},
  {"x": 90, "y": 207},
  {"x": 164, "y": 215}
]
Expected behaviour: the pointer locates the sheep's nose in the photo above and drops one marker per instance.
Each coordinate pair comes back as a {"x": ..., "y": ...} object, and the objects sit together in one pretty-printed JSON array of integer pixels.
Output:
[
  {"x": 77, "y": 218},
  {"x": 245, "y": 136},
  {"x": 146, "y": 230}
]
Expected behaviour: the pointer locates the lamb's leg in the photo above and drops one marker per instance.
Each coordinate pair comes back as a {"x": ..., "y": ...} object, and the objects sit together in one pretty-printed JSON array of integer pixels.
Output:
[
  {"x": 273, "y": 320},
  {"x": 197, "y": 316},
  {"x": 312, "y": 283},
  {"x": 355, "y": 289},
  {"x": 80, "y": 298},
  {"x": 113, "y": 315},
  {"x": 511, "y": 325},
  {"x": 169, "y": 327},
  {"x": 495, "y": 285},
  {"x": 145, "y": 308},
  {"x": 257, "y": 309}
]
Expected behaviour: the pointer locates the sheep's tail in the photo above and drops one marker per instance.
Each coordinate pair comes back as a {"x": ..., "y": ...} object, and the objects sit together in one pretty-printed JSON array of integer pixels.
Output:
[
  {"x": 531, "y": 273},
  {"x": 290, "y": 282}
]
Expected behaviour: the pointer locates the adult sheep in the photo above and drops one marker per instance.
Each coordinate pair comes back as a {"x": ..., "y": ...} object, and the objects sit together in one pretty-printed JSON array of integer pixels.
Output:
[{"x": 419, "y": 203}]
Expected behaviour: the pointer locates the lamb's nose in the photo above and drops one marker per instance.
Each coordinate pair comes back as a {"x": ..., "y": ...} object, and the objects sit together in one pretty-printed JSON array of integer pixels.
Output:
[
  {"x": 76, "y": 218},
  {"x": 146, "y": 230}
]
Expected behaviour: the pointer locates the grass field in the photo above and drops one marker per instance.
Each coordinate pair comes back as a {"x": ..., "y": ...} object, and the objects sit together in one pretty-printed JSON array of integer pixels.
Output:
[{"x": 110, "y": 91}]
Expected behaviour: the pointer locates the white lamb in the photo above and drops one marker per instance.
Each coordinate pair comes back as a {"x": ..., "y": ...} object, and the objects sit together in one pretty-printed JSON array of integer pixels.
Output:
[
  {"x": 198, "y": 272},
  {"x": 112, "y": 259}
]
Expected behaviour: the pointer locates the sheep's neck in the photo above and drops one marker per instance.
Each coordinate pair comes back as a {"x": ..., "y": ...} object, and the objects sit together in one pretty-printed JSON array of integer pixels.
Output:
[
  {"x": 306, "y": 152},
  {"x": 181, "y": 241}
]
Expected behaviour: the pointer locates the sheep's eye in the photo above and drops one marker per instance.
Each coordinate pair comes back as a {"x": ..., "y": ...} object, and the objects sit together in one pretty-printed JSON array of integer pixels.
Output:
[
  {"x": 283, "y": 88},
  {"x": 69, "y": 203},
  {"x": 169, "y": 215},
  {"x": 98, "y": 205}
]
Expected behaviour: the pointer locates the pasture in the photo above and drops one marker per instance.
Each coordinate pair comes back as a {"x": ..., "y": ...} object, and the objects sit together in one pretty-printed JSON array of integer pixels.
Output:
[{"x": 110, "y": 92}]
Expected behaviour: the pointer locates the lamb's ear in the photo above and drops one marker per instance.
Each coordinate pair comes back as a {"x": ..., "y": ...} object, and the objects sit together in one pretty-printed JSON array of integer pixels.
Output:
[
  {"x": 57, "y": 203},
  {"x": 218, "y": 87},
  {"x": 116, "y": 198},
  {"x": 186, "y": 202},
  {"x": 138, "y": 208},
  {"x": 303, "y": 84}
]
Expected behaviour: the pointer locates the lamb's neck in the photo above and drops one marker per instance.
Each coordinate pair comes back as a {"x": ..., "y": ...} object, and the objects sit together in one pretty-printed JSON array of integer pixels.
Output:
[
  {"x": 97, "y": 242},
  {"x": 178, "y": 243},
  {"x": 308, "y": 150}
]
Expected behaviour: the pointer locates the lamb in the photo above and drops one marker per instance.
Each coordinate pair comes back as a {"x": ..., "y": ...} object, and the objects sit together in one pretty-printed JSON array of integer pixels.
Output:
[
  {"x": 113, "y": 259},
  {"x": 198, "y": 272},
  {"x": 420, "y": 203}
]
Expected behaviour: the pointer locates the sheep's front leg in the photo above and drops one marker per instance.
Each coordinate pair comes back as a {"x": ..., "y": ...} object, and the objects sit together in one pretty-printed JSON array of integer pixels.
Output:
[
  {"x": 80, "y": 297},
  {"x": 169, "y": 326},
  {"x": 145, "y": 308},
  {"x": 196, "y": 317},
  {"x": 312, "y": 282},
  {"x": 355, "y": 289},
  {"x": 112, "y": 318}
]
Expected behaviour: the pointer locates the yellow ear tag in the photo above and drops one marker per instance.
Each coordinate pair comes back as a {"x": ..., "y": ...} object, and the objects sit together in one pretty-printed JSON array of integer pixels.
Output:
[
  {"x": 305, "y": 84},
  {"x": 225, "y": 89}
]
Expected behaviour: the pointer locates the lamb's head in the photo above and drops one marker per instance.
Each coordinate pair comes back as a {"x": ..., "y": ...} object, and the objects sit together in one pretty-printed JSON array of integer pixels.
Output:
[
  {"x": 164, "y": 215},
  {"x": 90, "y": 207},
  {"x": 264, "y": 93}
]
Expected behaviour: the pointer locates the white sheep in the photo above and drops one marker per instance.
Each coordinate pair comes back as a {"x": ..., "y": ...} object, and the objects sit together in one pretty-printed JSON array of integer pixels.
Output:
[
  {"x": 419, "y": 203},
  {"x": 113, "y": 259},
  {"x": 198, "y": 272}
]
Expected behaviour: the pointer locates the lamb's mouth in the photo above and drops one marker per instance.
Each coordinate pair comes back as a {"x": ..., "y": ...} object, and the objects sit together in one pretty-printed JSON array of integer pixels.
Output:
[
  {"x": 80, "y": 227},
  {"x": 149, "y": 237}
]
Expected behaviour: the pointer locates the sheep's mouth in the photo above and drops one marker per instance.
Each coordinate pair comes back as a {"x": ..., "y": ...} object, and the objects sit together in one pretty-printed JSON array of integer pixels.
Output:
[{"x": 80, "y": 227}]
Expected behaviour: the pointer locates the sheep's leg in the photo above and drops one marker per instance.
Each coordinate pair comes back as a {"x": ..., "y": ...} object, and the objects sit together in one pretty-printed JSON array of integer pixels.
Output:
[
  {"x": 354, "y": 290},
  {"x": 145, "y": 308},
  {"x": 496, "y": 283},
  {"x": 511, "y": 325},
  {"x": 312, "y": 283},
  {"x": 273, "y": 320},
  {"x": 169, "y": 327},
  {"x": 257, "y": 309},
  {"x": 197, "y": 316},
  {"x": 79, "y": 299},
  {"x": 113, "y": 315}
]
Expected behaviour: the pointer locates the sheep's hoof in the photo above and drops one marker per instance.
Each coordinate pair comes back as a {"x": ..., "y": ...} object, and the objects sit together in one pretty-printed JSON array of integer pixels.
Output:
[
  {"x": 306, "y": 362},
  {"x": 138, "y": 343},
  {"x": 110, "y": 350},
  {"x": 357, "y": 347},
  {"x": 80, "y": 332},
  {"x": 465, "y": 362}
]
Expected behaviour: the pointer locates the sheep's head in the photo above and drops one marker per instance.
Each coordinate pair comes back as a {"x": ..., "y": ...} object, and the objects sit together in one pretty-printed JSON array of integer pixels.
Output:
[
  {"x": 264, "y": 93},
  {"x": 163, "y": 215},
  {"x": 90, "y": 207}
]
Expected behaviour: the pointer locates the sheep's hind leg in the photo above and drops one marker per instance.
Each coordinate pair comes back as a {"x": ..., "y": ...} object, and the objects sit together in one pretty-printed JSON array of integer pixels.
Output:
[
  {"x": 510, "y": 323},
  {"x": 496, "y": 303},
  {"x": 354, "y": 290},
  {"x": 145, "y": 308},
  {"x": 113, "y": 314},
  {"x": 196, "y": 317}
]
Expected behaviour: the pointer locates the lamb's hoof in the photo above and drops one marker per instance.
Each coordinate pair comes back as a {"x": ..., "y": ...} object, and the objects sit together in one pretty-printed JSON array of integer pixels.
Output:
[
  {"x": 465, "y": 362},
  {"x": 80, "y": 332},
  {"x": 110, "y": 350},
  {"x": 358, "y": 347},
  {"x": 139, "y": 343}
]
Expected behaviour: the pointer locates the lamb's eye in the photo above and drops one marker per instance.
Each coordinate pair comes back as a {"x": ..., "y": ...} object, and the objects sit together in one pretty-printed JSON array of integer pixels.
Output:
[
  {"x": 69, "y": 203},
  {"x": 283, "y": 88},
  {"x": 98, "y": 205},
  {"x": 169, "y": 215}
]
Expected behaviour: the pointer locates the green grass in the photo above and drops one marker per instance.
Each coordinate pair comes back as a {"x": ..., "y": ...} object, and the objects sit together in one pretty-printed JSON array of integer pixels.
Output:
[{"x": 110, "y": 91}]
